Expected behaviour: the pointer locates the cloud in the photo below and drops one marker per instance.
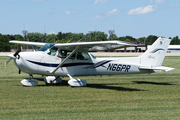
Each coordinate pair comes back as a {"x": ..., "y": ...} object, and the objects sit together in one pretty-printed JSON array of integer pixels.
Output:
[
  {"x": 104, "y": 15},
  {"x": 174, "y": 5},
  {"x": 113, "y": 12},
  {"x": 51, "y": 32},
  {"x": 156, "y": 1},
  {"x": 100, "y": 1},
  {"x": 142, "y": 10},
  {"x": 71, "y": 13},
  {"x": 96, "y": 17},
  {"x": 67, "y": 13}
]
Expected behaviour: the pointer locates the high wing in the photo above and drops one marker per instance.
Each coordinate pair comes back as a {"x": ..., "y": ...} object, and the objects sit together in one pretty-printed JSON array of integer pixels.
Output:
[
  {"x": 27, "y": 43},
  {"x": 83, "y": 46},
  {"x": 94, "y": 46}
]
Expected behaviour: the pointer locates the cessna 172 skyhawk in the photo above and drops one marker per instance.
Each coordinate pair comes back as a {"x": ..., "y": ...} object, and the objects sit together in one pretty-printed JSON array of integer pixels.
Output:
[{"x": 73, "y": 59}]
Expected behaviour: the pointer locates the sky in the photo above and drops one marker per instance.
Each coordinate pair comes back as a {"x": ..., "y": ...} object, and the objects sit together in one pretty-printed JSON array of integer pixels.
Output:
[{"x": 136, "y": 18}]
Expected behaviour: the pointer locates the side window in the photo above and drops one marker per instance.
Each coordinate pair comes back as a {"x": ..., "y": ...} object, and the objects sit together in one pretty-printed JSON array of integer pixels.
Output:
[
  {"x": 65, "y": 53},
  {"x": 53, "y": 51},
  {"x": 82, "y": 56}
]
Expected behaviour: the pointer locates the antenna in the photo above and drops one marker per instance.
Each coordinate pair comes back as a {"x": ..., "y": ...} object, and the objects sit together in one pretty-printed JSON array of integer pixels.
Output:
[
  {"x": 24, "y": 34},
  {"x": 111, "y": 32},
  {"x": 91, "y": 33}
]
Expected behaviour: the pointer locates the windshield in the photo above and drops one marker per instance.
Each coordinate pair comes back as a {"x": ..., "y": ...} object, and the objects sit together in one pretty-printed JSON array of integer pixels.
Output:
[
  {"x": 46, "y": 47},
  {"x": 93, "y": 56}
]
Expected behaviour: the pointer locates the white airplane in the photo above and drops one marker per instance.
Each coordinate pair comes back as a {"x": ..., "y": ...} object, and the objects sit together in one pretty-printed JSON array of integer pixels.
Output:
[{"x": 73, "y": 59}]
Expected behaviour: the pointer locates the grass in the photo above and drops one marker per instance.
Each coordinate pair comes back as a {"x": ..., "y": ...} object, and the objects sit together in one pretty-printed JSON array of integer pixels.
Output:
[{"x": 142, "y": 96}]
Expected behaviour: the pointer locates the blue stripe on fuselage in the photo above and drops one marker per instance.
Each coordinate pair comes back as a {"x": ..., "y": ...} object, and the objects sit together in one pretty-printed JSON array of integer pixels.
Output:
[{"x": 55, "y": 65}]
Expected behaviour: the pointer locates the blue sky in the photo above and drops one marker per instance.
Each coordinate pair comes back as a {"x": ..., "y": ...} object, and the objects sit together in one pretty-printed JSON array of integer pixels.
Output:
[{"x": 137, "y": 18}]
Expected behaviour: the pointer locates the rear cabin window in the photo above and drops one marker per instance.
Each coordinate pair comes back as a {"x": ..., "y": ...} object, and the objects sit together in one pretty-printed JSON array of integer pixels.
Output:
[
  {"x": 65, "y": 53},
  {"x": 82, "y": 56}
]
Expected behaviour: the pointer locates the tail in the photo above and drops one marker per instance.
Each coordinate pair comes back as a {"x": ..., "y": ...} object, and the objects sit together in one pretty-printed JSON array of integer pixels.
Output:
[{"x": 153, "y": 58}]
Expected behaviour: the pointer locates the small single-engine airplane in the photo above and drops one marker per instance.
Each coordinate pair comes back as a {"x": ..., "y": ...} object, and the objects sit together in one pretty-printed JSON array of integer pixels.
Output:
[{"x": 73, "y": 59}]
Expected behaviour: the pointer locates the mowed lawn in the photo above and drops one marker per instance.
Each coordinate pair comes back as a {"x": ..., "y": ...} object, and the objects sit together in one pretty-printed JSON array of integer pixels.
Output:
[{"x": 142, "y": 96}]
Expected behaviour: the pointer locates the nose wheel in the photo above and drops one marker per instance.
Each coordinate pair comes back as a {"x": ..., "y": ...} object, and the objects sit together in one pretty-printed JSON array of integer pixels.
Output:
[{"x": 28, "y": 82}]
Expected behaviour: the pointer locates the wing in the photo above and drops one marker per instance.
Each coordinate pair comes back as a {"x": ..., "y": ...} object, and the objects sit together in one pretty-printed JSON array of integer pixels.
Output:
[
  {"x": 27, "y": 43},
  {"x": 94, "y": 46}
]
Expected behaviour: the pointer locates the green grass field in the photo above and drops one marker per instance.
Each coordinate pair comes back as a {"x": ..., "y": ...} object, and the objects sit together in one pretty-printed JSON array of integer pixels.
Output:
[{"x": 155, "y": 96}]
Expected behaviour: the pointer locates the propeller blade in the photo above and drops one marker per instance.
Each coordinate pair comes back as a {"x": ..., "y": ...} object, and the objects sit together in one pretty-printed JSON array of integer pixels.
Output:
[
  {"x": 7, "y": 62},
  {"x": 19, "y": 71}
]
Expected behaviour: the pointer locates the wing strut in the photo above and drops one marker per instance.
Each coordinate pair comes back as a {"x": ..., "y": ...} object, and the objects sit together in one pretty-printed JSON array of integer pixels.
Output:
[{"x": 65, "y": 60}]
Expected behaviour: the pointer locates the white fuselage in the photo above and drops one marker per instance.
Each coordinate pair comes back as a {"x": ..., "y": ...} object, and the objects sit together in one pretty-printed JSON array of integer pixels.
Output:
[{"x": 42, "y": 63}]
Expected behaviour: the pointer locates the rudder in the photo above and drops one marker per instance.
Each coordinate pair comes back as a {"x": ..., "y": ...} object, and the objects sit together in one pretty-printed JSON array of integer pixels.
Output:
[{"x": 154, "y": 56}]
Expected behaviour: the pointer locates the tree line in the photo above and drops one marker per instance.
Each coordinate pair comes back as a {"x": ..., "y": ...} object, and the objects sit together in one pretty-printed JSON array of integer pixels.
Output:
[{"x": 70, "y": 37}]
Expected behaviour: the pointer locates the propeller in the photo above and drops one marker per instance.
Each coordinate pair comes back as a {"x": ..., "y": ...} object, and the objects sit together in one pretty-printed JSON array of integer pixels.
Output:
[{"x": 14, "y": 56}]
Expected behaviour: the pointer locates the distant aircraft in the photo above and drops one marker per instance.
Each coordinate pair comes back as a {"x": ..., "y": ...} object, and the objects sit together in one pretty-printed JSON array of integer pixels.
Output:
[{"x": 73, "y": 59}]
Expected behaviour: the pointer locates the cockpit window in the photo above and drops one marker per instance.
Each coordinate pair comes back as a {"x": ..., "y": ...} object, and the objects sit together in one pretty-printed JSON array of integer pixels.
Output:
[
  {"x": 93, "y": 56},
  {"x": 49, "y": 49},
  {"x": 46, "y": 47}
]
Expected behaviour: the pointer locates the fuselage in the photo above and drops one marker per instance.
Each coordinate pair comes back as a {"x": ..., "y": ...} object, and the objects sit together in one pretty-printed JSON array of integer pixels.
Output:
[{"x": 42, "y": 63}]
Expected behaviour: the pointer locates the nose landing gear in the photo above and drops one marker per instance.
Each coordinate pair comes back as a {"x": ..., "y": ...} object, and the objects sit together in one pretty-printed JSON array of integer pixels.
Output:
[{"x": 28, "y": 82}]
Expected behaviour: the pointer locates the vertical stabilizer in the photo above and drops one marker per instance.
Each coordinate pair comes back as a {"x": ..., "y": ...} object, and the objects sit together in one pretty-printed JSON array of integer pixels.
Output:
[{"x": 154, "y": 56}]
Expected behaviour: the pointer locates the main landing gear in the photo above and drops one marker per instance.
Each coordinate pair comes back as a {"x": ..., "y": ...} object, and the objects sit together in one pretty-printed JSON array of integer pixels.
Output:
[
  {"x": 51, "y": 80},
  {"x": 76, "y": 82}
]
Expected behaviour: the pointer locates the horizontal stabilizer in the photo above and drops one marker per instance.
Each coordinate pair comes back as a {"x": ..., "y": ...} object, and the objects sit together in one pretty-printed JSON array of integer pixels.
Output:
[{"x": 165, "y": 69}]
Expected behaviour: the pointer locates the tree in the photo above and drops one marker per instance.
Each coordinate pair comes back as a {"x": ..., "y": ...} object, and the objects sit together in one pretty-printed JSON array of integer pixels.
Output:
[
  {"x": 131, "y": 38},
  {"x": 97, "y": 36},
  {"x": 4, "y": 43},
  {"x": 122, "y": 38},
  {"x": 127, "y": 38},
  {"x": 51, "y": 38},
  {"x": 35, "y": 37},
  {"x": 151, "y": 39},
  {"x": 11, "y": 37},
  {"x": 114, "y": 37},
  {"x": 141, "y": 40},
  {"x": 175, "y": 41},
  {"x": 17, "y": 37}
]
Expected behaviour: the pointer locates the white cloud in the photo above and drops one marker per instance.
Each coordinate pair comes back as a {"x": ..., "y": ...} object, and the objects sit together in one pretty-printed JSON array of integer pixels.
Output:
[
  {"x": 156, "y": 1},
  {"x": 142, "y": 10},
  {"x": 96, "y": 17},
  {"x": 113, "y": 12},
  {"x": 100, "y": 1},
  {"x": 174, "y": 5},
  {"x": 71, "y": 13},
  {"x": 110, "y": 13},
  {"x": 51, "y": 32},
  {"x": 67, "y": 13}
]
